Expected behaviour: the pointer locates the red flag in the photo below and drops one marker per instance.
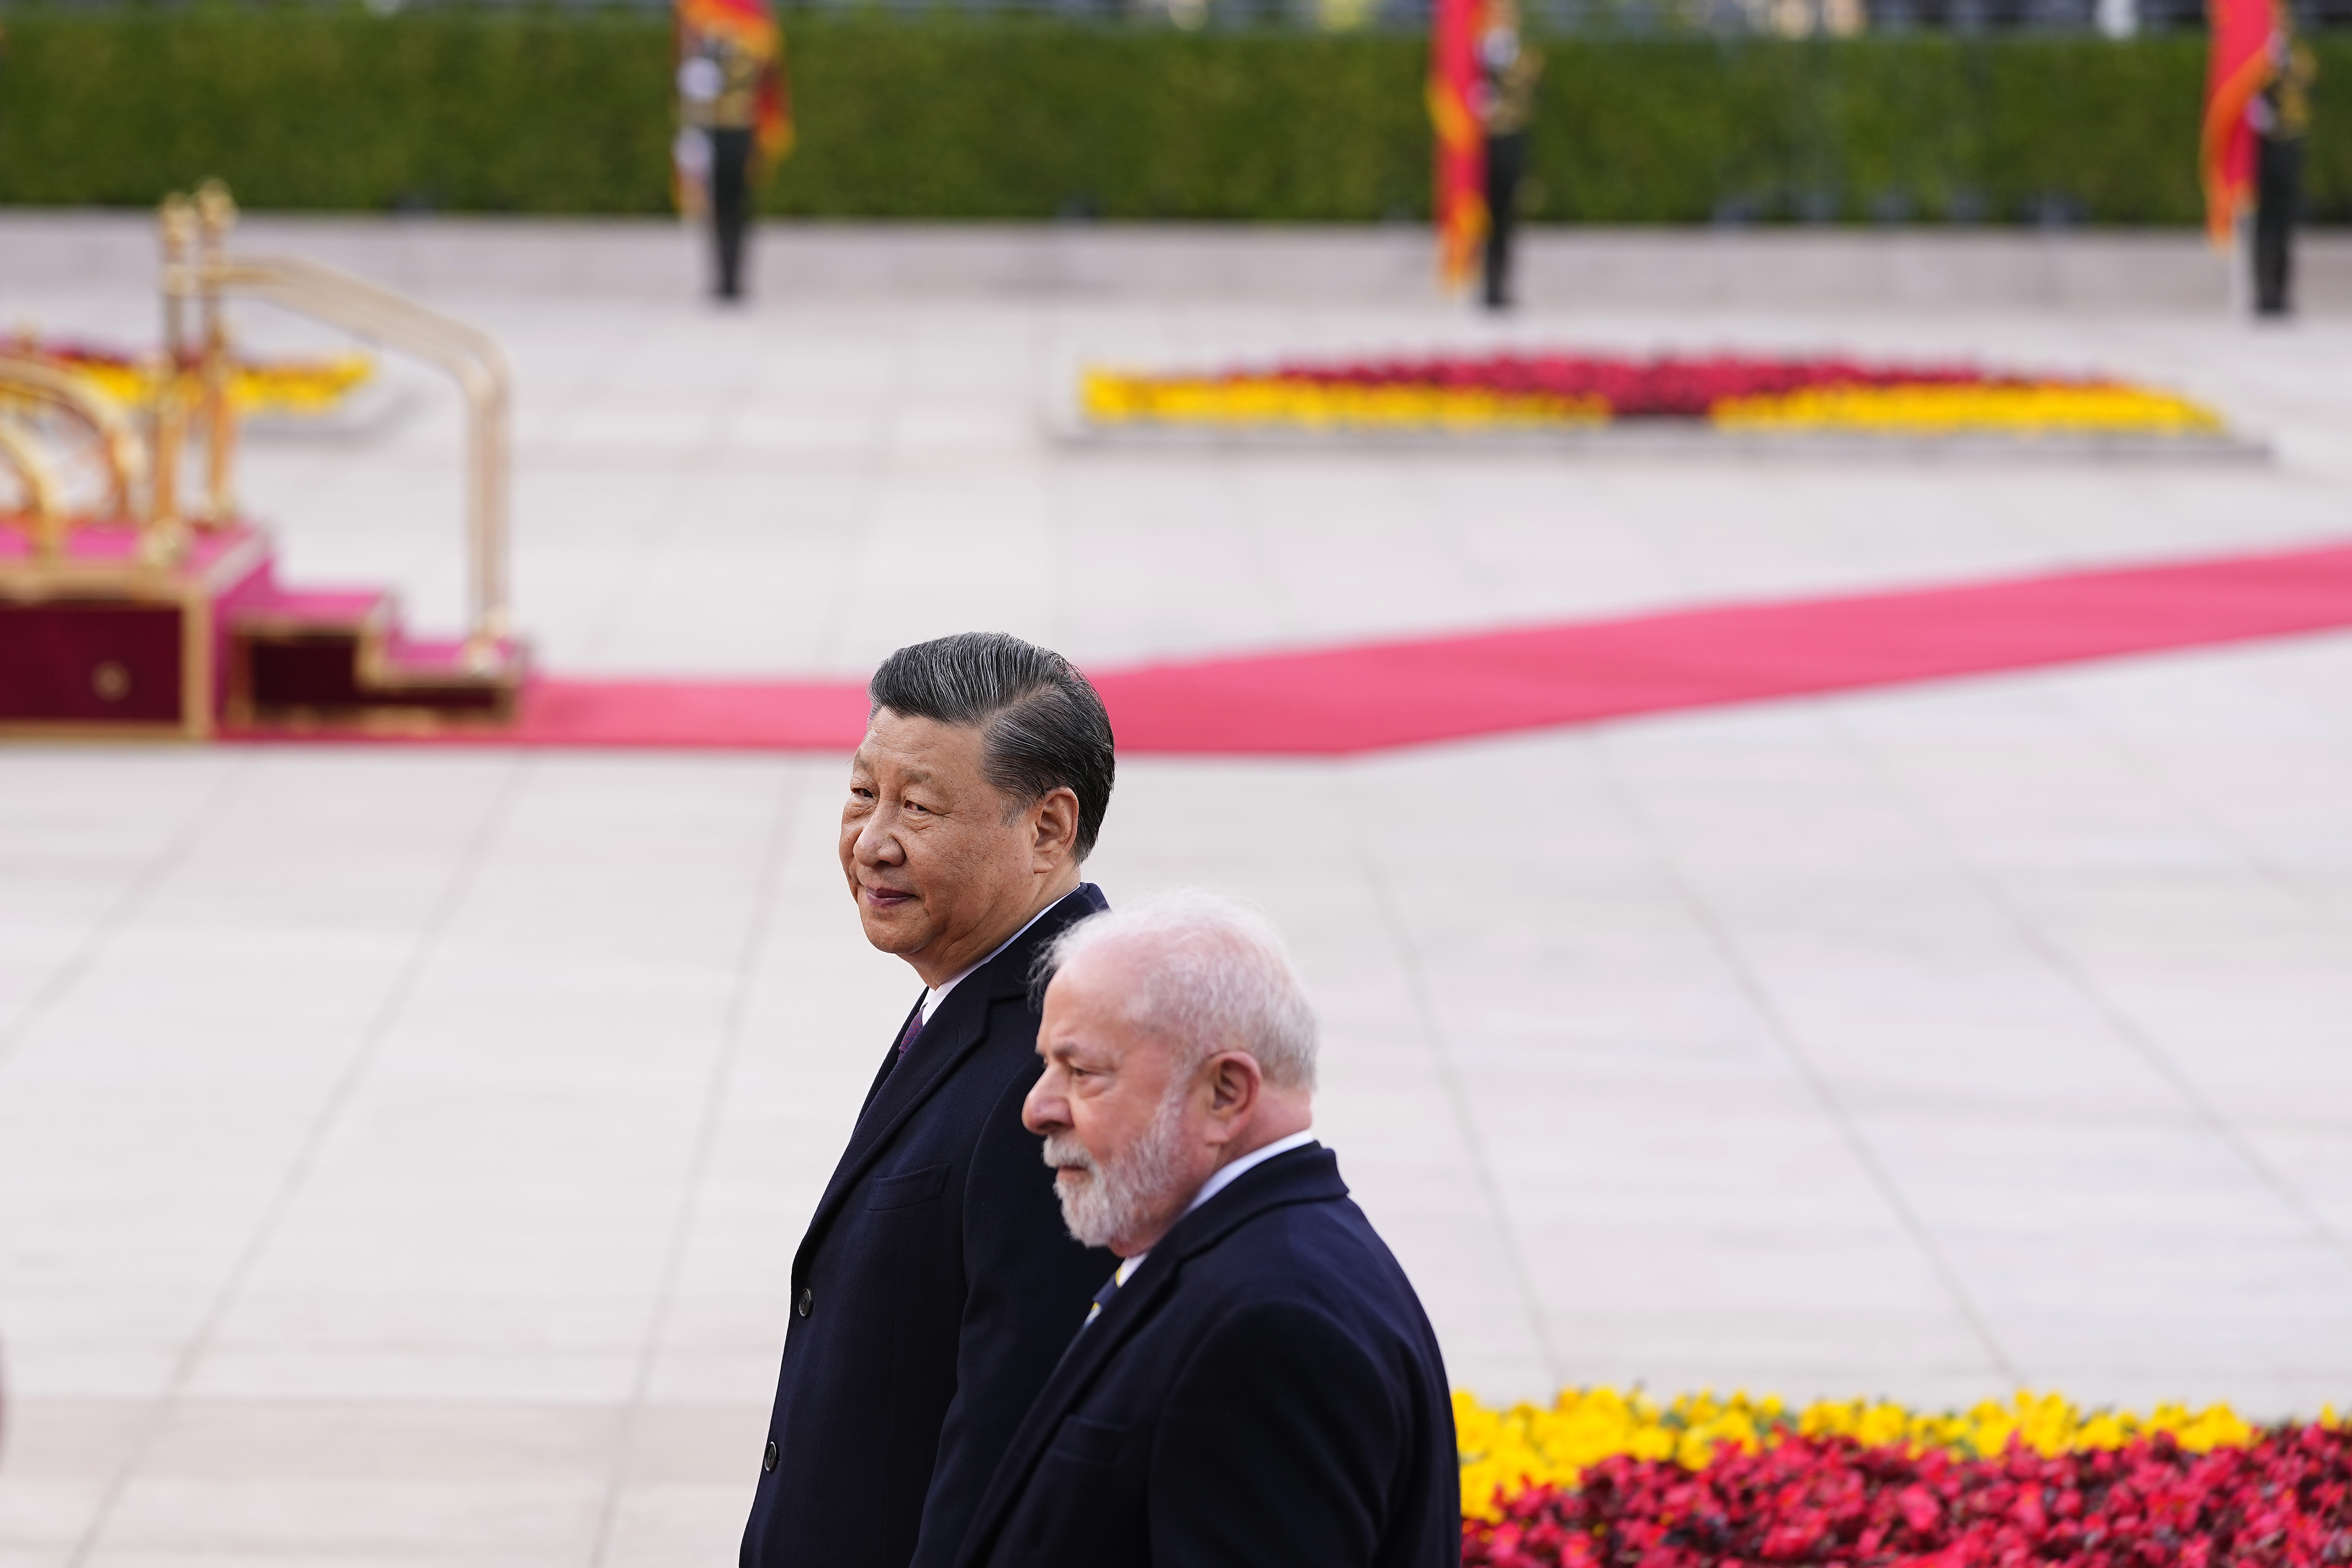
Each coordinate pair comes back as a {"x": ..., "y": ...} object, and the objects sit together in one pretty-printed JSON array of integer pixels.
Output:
[
  {"x": 750, "y": 27},
  {"x": 2248, "y": 39},
  {"x": 1454, "y": 112}
]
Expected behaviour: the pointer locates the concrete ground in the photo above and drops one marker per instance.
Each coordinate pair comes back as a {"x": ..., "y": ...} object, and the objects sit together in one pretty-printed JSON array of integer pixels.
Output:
[{"x": 402, "y": 1153}]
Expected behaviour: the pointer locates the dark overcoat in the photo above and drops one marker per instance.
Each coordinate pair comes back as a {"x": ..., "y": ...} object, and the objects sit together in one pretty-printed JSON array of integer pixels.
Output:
[
  {"x": 1265, "y": 1389},
  {"x": 934, "y": 1291}
]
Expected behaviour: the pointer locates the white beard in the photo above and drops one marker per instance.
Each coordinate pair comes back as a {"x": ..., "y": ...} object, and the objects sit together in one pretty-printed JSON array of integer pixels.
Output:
[{"x": 1117, "y": 1200}]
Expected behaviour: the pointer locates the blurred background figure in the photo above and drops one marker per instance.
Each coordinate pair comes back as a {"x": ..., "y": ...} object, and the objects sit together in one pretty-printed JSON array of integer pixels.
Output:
[
  {"x": 2257, "y": 112},
  {"x": 2282, "y": 117},
  {"x": 734, "y": 120},
  {"x": 1511, "y": 71}
]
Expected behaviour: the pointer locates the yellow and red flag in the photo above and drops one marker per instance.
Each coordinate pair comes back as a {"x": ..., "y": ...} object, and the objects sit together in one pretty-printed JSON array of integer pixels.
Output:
[
  {"x": 1456, "y": 113},
  {"x": 2248, "y": 39},
  {"x": 747, "y": 26}
]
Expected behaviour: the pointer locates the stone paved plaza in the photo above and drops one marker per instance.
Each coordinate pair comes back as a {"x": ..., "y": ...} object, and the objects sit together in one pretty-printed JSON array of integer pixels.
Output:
[{"x": 402, "y": 1152}]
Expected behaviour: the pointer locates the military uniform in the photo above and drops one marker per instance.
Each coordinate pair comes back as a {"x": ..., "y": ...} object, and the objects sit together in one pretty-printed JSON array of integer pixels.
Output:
[
  {"x": 733, "y": 122},
  {"x": 1511, "y": 71},
  {"x": 2281, "y": 117}
]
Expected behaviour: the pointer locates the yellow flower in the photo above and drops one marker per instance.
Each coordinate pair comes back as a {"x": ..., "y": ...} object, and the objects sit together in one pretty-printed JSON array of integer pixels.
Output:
[
  {"x": 298, "y": 386},
  {"x": 1504, "y": 1452},
  {"x": 1936, "y": 410},
  {"x": 265, "y": 386},
  {"x": 1970, "y": 410},
  {"x": 1262, "y": 400}
]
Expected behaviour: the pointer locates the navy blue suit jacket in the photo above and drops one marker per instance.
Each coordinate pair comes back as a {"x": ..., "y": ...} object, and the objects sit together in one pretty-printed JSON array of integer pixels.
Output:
[
  {"x": 933, "y": 1292},
  {"x": 1265, "y": 1389}
]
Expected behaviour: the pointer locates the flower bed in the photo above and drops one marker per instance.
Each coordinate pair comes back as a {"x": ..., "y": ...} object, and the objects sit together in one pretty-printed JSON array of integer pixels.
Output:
[
  {"x": 1735, "y": 392},
  {"x": 296, "y": 387},
  {"x": 1612, "y": 1481}
]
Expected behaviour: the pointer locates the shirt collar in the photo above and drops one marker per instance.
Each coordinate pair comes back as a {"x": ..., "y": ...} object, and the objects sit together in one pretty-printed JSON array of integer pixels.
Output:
[
  {"x": 1231, "y": 1171},
  {"x": 937, "y": 994},
  {"x": 1223, "y": 1177}
]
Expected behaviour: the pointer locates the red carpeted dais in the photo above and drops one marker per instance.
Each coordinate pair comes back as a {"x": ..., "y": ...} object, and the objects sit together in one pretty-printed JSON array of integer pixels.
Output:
[{"x": 2283, "y": 1501}]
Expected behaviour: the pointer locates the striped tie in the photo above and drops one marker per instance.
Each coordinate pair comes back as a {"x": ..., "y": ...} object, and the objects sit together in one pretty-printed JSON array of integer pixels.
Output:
[
  {"x": 1102, "y": 1300},
  {"x": 914, "y": 1028}
]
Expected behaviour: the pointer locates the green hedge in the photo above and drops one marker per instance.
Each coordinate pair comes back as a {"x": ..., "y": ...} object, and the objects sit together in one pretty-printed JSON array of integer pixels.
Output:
[
  {"x": 543, "y": 112},
  {"x": 336, "y": 110}
]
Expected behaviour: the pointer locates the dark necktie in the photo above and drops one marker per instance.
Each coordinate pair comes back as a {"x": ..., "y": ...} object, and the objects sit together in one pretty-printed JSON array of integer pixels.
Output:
[
  {"x": 1102, "y": 1300},
  {"x": 914, "y": 1028}
]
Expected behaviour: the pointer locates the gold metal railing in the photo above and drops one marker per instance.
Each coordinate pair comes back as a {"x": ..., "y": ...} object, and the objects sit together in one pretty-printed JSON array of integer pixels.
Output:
[
  {"x": 30, "y": 387},
  {"x": 141, "y": 481},
  {"x": 22, "y": 457},
  {"x": 200, "y": 275}
]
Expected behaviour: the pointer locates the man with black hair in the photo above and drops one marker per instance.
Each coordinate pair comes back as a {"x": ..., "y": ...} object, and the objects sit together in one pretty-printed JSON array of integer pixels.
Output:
[{"x": 937, "y": 1284}]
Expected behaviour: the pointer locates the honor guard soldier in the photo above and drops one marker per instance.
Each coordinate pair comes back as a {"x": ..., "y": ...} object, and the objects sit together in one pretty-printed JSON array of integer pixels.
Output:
[
  {"x": 1510, "y": 72},
  {"x": 734, "y": 119},
  {"x": 2281, "y": 118}
]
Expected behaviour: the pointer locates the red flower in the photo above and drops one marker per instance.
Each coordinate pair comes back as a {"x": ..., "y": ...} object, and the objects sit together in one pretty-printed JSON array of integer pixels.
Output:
[
  {"x": 2284, "y": 1502},
  {"x": 1662, "y": 387}
]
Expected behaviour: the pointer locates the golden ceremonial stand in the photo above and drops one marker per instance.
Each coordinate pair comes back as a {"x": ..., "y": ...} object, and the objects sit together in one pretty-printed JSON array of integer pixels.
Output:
[{"x": 125, "y": 611}]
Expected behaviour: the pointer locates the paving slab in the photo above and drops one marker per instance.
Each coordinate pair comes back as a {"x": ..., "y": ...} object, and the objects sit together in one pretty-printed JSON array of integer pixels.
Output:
[{"x": 402, "y": 1153}]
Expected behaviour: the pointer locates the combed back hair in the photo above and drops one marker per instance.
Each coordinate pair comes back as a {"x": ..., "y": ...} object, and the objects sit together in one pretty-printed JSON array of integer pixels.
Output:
[
  {"x": 1044, "y": 727},
  {"x": 1213, "y": 975}
]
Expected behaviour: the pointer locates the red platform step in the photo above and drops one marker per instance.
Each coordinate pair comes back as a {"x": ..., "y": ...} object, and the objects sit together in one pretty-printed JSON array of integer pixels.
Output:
[
  {"x": 334, "y": 660},
  {"x": 104, "y": 641}
]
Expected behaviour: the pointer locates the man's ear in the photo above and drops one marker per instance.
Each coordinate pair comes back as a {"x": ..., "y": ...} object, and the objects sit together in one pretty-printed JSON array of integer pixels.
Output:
[
  {"x": 1234, "y": 1083},
  {"x": 1058, "y": 824}
]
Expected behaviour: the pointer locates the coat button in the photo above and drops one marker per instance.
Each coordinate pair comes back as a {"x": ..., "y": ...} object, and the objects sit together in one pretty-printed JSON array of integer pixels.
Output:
[
  {"x": 807, "y": 1300},
  {"x": 768, "y": 1464}
]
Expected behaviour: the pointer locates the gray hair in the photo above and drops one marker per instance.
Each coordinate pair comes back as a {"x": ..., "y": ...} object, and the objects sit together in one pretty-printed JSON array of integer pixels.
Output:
[
  {"x": 1045, "y": 725},
  {"x": 1215, "y": 976}
]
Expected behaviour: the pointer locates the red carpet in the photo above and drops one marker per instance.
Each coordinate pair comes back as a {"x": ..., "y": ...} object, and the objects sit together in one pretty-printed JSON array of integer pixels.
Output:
[{"x": 1373, "y": 696}]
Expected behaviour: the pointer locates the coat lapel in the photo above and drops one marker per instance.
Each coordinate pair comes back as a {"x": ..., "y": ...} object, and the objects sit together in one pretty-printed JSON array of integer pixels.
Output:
[
  {"x": 889, "y": 1060},
  {"x": 955, "y": 1031},
  {"x": 1307, "y": 1174}
]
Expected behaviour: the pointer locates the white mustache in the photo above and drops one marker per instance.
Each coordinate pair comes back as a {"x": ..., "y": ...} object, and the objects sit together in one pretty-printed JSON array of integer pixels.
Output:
[
  {"x": 1064, "y": 1152},
  {"x": 1118, "y": 1192}
]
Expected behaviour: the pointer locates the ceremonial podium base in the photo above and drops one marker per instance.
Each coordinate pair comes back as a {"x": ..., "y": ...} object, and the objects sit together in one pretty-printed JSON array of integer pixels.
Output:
[{"x": 104, "y": 642}]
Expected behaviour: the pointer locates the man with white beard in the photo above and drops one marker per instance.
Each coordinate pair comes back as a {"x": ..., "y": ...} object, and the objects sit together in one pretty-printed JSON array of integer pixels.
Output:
[{"x": 1257, "y": 1383}]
